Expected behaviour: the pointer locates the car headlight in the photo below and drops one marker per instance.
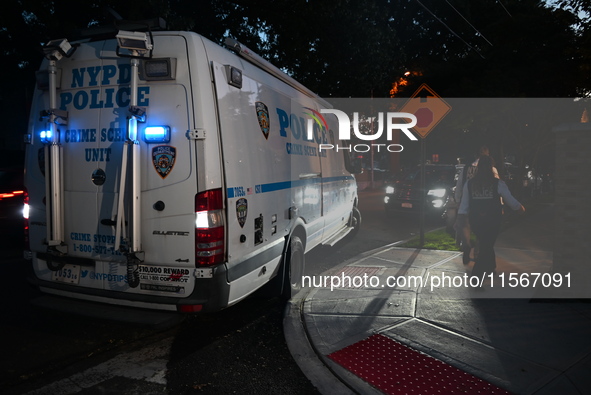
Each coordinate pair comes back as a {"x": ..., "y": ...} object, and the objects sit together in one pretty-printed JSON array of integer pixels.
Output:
[
  {"x": 389, "y": 190},
  {"x": 437, "y": 192}
]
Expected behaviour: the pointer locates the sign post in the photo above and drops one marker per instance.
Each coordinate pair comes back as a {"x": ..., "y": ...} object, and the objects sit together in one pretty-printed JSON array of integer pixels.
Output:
[{"x": 430, "y": 109}]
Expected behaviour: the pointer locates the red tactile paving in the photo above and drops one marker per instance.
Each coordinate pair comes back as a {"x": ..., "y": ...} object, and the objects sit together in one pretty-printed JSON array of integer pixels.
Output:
[{"x": 397, "y": 369}]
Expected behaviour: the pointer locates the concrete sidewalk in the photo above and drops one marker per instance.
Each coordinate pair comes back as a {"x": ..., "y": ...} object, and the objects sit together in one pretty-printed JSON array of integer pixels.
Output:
[{"x": 430, "y": 330}]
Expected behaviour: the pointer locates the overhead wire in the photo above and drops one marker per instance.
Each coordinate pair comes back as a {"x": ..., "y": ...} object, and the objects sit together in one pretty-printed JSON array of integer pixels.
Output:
[
  {"x": 468, "y": 22},
  {"x": 505, "y": 8},
  {"x": 450, "y": 29}
]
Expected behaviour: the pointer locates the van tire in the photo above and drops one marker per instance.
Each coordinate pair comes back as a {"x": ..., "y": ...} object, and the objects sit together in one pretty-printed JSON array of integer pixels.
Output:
[
  {"x": 355, "y": 222},
  {"x": 292, "y": 280}
]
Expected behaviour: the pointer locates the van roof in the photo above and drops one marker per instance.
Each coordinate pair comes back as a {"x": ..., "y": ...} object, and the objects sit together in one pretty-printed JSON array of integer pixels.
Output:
[{"x": 95, "y": 33}]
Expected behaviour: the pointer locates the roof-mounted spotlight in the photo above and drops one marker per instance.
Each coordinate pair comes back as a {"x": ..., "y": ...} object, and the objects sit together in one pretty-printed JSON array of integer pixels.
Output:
[
  {"x": 57, "y": 49},
  {"x": 134, "y": 41}
]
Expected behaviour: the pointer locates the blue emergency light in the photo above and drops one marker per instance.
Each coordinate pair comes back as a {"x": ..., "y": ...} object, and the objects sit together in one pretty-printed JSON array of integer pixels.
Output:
[
  {"x": 157, "y": 134},
  {"x": 46, "y": 136}
]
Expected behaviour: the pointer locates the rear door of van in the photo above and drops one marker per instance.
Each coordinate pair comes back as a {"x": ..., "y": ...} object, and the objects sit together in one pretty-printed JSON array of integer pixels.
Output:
[{"x": 94, "y": 90}]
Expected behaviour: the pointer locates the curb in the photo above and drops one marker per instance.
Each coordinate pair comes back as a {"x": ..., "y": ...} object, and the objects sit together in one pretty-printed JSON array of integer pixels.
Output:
[
  {"x": 302, "y": 351},
  {"x": 314, "y": 367}
]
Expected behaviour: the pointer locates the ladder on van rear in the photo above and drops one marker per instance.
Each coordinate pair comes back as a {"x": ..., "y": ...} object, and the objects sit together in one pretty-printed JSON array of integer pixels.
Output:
[{"x": 130, "y": 161}]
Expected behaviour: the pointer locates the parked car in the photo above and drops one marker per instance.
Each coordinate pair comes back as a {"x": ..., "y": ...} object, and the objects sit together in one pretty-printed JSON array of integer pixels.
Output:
[{"x": 405, "y": 195}]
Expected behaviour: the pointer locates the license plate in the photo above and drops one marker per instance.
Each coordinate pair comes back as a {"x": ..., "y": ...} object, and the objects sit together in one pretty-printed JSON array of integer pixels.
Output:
[
  {"x": 406, "y": 205},
  {"x": 67, "y": 274}
]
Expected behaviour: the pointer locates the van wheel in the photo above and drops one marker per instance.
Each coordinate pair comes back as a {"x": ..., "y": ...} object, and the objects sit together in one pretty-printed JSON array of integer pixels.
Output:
[
  {"x": 292, "y": 281},
  {"x": 355, "y": 221}
]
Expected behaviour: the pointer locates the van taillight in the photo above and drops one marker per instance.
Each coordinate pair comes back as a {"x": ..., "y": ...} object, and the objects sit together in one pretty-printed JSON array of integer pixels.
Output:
[
  {"x": 26, "y": 218},
  {"x": 209, "y": 228}
]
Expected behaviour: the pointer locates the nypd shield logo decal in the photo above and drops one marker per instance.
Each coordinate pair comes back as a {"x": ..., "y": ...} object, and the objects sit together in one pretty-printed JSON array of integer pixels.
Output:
[
  {"x": 163, "y": 158},
  {"x": 241, "y": 211},
  {"x": 263, "y": 117}
]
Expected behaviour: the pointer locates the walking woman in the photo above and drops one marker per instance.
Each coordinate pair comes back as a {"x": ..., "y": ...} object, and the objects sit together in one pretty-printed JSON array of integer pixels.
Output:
[{"x": 482, "y": 202}]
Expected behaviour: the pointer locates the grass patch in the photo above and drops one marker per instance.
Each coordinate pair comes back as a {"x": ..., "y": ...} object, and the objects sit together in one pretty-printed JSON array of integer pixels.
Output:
[{"x": 435, "y": 240}]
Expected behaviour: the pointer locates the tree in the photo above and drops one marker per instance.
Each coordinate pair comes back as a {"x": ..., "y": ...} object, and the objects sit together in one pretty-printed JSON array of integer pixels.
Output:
[
  {"x": 483, "y": 49},
  {"x": 344, "y": 48},
  {"x": 491, "y": 49}
]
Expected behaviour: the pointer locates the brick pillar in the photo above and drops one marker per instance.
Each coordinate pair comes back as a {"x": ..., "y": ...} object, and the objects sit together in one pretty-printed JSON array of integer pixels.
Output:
[{"x": 572, "y": 180}]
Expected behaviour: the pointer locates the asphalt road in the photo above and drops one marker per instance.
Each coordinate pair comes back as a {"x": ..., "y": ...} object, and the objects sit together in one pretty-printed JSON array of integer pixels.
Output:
[{"x": 238, "y": 350}]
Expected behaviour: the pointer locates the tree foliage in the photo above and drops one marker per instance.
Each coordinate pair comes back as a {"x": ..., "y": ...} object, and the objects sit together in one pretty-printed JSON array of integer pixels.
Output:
[
  {"x": 343, "y": 48},
  {"x": 353, "y": 48}
]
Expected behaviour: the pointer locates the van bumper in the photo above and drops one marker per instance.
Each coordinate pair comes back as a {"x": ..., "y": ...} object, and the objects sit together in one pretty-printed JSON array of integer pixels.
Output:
[{"x": 209, "y": 295}]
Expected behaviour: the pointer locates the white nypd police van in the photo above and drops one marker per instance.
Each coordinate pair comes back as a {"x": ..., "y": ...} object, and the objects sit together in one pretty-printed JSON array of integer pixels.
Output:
[{"x": 166, "y": 172}]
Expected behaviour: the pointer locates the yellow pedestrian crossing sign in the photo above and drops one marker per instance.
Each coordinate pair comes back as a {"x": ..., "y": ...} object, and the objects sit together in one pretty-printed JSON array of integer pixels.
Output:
[{"x": 428, "y": 107}]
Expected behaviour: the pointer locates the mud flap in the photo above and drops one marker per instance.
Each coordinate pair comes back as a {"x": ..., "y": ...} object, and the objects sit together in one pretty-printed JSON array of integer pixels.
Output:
[{"x": 275, "y": 286}]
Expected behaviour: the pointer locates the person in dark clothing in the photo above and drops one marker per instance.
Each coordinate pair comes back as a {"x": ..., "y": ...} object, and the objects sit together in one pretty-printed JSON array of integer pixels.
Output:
[
  {"x": 482, "y": 203},
  {"x": 462, "y": 225}
]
